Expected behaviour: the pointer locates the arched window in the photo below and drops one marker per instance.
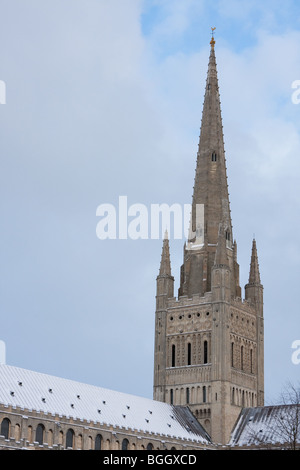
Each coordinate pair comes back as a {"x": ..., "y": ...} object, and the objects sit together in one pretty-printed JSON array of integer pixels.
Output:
[
  {"x": 50, "y": 437},
  {"x": 251, "y": 361},
  {"x": 39, "y": 433},
  {"x": 214, "y": 157},
  {"x": 5, "y": 428},
  {"x": 125, "y": 444},
  {"x": 232, "y": 350},
  {"x": 149, "y": 446},
  {"x": 173, "y": 355},
  {"x": 204, "y": 394},
  {"x": 189, "y": 354},
  {"x": 205, "y": 353},
  {"x": 17, "y": 432},
  {"x": 70, "y": 438},
  {"x": 79, "y": 441},
  {"x": 29, "y": 434},
  {"x": 60, "y": 438},
  {"x": 98, "y": 442}
]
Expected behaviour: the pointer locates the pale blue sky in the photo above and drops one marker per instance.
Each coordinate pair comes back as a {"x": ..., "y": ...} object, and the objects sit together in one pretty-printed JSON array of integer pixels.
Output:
[{"x": 104, "y": 99}]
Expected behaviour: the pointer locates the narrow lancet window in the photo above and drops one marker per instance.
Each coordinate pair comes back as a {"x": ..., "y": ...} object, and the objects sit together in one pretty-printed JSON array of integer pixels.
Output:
[
  {"x": 173, "y": 355},
  {"x": 205, "y": 353},
  {"x": 214, "y": 157},
  {"x": 189, "y": 354}
]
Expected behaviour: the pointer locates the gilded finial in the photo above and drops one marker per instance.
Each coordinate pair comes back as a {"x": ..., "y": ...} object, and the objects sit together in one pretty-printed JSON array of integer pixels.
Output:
[{"x": 212, "y": 42}]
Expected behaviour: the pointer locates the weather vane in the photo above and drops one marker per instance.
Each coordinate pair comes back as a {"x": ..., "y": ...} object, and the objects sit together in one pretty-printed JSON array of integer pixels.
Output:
[{"x": 212, "y": 42}]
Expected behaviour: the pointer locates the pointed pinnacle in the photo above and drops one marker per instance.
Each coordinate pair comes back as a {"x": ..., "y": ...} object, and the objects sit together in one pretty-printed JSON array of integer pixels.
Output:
[
  {"x": 165, "y": 264},
  {"x": 254, "y": 276}
]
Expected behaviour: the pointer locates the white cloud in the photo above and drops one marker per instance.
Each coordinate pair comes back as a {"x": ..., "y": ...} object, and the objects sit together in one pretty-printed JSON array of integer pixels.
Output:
[
  {"x": 256, "y": 15},
  {"x": 175, "y": 16}
]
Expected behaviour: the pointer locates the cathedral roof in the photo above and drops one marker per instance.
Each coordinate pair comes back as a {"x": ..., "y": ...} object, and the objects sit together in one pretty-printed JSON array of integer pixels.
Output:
[
  {"x": 49, "y": 394},
  {"x": 267, "y": 426}
]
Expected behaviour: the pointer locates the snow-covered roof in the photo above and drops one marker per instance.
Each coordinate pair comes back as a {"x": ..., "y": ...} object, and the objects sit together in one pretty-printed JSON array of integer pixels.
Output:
[
  {"x": 267, "y": 425},
  {"x": 49, "y": 394}
]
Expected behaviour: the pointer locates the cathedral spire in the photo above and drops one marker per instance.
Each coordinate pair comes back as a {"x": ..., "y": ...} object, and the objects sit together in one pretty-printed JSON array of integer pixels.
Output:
[
  {"x": 210, "y": 188},
  {"x": 210, "y": 203}
]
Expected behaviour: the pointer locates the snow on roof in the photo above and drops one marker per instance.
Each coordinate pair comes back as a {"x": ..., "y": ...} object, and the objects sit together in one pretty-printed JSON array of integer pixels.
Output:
[
  {"x": 265, "y": 425},
  {"x": 49, "y": 394}
]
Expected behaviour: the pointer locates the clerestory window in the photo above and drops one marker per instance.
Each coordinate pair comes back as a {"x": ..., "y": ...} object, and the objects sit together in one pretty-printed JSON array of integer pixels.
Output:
[
  {"x": 39, "y": 434},
  {"x": 5, "y": 428}
]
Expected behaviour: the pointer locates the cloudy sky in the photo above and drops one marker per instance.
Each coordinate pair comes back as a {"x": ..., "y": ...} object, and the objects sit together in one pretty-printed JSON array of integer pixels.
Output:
[{"x": 104, "y": 99}]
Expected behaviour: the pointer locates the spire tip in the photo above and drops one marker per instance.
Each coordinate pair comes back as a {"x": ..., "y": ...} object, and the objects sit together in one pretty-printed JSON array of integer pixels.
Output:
[{"x": 212, "y": 42}]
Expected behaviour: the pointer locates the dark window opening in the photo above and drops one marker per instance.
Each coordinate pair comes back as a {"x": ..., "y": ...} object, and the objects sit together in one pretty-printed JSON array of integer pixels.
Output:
[
  {"x": 189, "y": 354},
  {"x": 242, "y": 357},
  {"x": 204, "y": 394},
  {"x": 173, "y": 355},
  {"x": 187, "y": 396},
  {"x": 171, "y": 396},
  {"x": 5, "y": 427},
  {"x": 98, "y": 442},
  {"x": 125, "y": 444},
  {"x": 214, "y": 157},
  {"x": 39, "y": 434},
  {"x": 70, "y": 438},
  {"x": 205, "y": 353}
]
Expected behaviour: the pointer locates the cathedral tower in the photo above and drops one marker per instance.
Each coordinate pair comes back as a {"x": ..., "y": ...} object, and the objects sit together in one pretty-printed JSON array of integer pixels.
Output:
[{"x": 209, "y": 341}]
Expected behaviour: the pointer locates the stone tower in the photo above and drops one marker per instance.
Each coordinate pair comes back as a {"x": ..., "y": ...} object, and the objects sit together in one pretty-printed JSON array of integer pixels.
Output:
[{"x": 209, "y": 351}]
